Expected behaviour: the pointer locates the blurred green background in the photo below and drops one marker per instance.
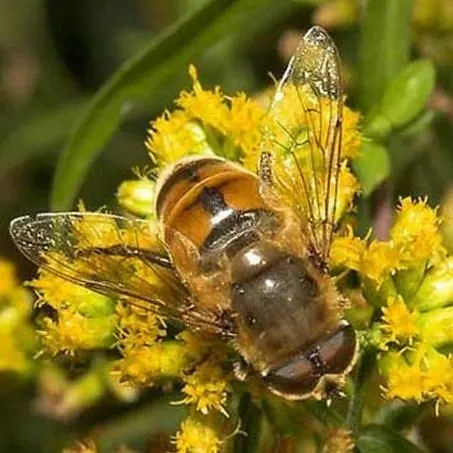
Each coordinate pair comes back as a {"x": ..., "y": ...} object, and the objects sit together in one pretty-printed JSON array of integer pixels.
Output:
[{"x": 55, "y": 56}]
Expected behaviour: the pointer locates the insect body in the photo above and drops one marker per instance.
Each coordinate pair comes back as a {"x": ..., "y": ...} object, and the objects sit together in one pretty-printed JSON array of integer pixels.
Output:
[{"x": 241, "y": 256}]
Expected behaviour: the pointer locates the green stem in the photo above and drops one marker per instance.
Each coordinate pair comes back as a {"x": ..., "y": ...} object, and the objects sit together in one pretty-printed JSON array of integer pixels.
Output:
[{"x": 364, "y": 370}]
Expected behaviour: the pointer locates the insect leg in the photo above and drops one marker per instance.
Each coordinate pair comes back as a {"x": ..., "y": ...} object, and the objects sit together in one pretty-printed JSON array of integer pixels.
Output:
[{"x": 119, "y": 250}]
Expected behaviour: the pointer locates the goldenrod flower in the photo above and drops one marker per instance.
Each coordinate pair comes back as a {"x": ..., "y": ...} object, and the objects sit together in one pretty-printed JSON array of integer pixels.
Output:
[
  {"x": 243, "y": 124},
  {"x": 146, "y": 365},
  {"x": 347, "y": 251},
  {"x": 415, "y": 232},
  {"x": 398, "y": 323},
  {"x": 206, "y": 388},
  {"x": 205, "y": 106},
  {"x": 404, "y": 380},
  {"x": 61, "y": 294},
  {"x": 138, "y": 327},
  {"x": 74, "y": 332},
  {"x": 175, "y": 135},
  {"x": 194, "y": 436},
  {"x": 379, "y": 261}
]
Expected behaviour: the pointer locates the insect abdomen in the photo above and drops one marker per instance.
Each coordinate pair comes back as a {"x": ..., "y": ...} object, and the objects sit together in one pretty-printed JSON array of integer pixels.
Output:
[{"x": 210, "y": 202}]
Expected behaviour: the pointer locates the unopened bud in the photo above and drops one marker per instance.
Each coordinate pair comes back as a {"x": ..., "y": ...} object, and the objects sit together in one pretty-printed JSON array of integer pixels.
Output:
[
  {"x": 436, "y": 291},
  {"x": 137, "y": 196}
]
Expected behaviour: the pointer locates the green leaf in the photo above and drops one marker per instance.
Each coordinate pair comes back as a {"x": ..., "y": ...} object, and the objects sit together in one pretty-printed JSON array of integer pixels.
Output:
[
  {"x": 38, "y": 134},
  {"x": 379, "y": 439},
  {"x": 384, "y": 48},
  {"x": 408, "y": 93},
  {"x": 372, "y": 167},
  {"x": 140, "y": 77}
]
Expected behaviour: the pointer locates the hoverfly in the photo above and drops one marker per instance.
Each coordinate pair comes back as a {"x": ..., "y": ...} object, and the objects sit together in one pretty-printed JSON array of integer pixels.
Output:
[{"x": 237, "y": 255}]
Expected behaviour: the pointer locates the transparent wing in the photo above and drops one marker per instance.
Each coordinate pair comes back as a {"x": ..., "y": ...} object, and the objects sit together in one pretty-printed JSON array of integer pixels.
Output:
[
  {"x": 112, "y": 255},
  {"x": 301, "y": 146}
]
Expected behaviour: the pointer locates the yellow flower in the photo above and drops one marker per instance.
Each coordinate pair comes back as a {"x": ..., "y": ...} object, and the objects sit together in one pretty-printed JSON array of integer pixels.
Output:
[
  {"x": 145, "y": 365},
  {"x": 439, "y": 376},
  {"x": 137, "y": 327},
  {"x": 244, "y": 127},
  {"x": 194, "y": 436},
  {"x": 206, "y": 388},
  {"x": 379, "y": 261},
  {"x": 404, "y": 381},
  {"x": 416, "y": 232},
  {"x": 62, "y": 294},
  {"x": 419, "y": 375},
  {"x": 399, "y": 324},
  {"x": 347, "y": 251},
  {"x": 206, "y": 106},
  {"x": 73, "y": 332},
  {"x": 175, "y": 135}
]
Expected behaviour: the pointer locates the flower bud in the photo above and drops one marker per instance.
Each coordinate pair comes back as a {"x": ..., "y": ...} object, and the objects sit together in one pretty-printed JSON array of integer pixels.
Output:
[
  {"x": 407, "y": 281},
  {"x": 409, "y": 92},
  {"x": 137, "y": 196},
  {"x": 437, "y": 288},
  {"x": 435, "y": 327}
]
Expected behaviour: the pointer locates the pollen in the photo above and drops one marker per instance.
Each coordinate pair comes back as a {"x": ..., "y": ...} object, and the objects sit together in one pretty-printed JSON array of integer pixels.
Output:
[
  {"x": 195, "y": 436},
  {"x": 206, "y": 388},
  {"x": 399, "y": 324}
]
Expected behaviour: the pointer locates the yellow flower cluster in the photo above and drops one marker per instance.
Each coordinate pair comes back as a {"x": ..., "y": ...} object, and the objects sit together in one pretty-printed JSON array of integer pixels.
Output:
[
  {"x": 17, "y": 339},
  {"x": 415, "y": 241},
  {"x": 205, "y": 122},
  {"x": 409, "y": 279},
  {"x": 418, "y": 375},
  {"x": 85, "y": 320},
  {"x": 197, "y": 435}
]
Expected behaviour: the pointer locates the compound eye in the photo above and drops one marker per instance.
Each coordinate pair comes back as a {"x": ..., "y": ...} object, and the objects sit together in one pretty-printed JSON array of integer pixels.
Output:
[
  {"x": 337, "y": 351},
  {"x": 297, "y": 377}
]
